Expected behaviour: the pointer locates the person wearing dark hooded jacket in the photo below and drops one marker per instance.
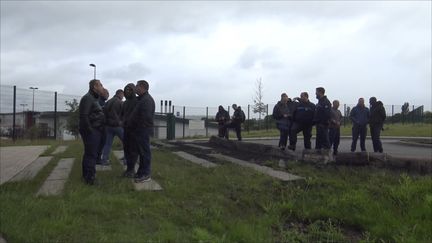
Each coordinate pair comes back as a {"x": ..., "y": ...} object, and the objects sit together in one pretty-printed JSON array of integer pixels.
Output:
[
  {"x": 129, "y": 142},
  {"x": 222, "y": 118},
  {"x": 282, "y": 113},
  {"x": 302, "y": 121},
  {"x": 376, "y": 123}
]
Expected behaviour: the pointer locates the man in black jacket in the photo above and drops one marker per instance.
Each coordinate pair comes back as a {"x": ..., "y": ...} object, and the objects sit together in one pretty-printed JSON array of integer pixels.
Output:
[
  {"x": 91, "y": 125},
  {"x": 282, "y": 114},
  {"x": 376, "y": 122},
  {"x": 130, "y": 148},
  {"x": 222, "y": 118},
  {"x": 322, "y": 119},
  {"x": 237, "y": 119},
  {"x": 302, "y": 121},
  {"x": 113, "y": 123},
  {"x": 142, "y": 119}
]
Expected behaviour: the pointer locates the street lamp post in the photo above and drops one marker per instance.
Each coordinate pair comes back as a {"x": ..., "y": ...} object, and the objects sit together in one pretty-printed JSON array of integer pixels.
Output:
[
  {"x": 33, "y": 88},
  {"x": 94, "y": 69}
]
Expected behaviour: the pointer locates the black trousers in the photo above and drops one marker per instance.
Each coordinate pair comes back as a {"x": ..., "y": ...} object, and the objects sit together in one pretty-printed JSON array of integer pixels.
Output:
[
  {"x": 307, "y": 134},
  {"x": 334, "y": 137},
  {"x": 359, "y": 130},
  {"x": 237, "y": 128},
  {"x": 283, "y": 135},
  {"x": 375, "y": 131},
  {"x": 91, "y": 142},
  {"x": 130, "y": 149},
  {"x": 222, "y": 130},
  {"x": 322, "y": 137}
]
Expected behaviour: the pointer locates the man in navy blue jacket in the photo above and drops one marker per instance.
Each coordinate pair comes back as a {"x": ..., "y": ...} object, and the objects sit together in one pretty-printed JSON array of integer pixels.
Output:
[
  {"x": 322, "y": 119},
  {"x": 303, "y": 115},
  {"x": 142, "y": 120},
  {"x": 360, "y": 117}
]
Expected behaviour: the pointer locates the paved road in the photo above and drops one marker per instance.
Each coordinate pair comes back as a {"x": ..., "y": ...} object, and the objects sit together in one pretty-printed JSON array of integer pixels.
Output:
[
  {"x": 390, "y": 146},
  {"x": 15, "y": 158}
]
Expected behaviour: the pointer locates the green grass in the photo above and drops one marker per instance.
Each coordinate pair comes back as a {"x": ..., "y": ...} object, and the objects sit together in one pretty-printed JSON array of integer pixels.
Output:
[
  {"x": 398, "y": 129},
  {"x": 223, "y": 204}
]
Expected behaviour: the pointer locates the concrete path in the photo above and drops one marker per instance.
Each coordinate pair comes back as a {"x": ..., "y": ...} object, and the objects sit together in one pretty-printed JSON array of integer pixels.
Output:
[
  {"x": 54, "y": 184},
  {"x": 194, "y": 159},
  {"x": 32, "y": 170},
  {"x": 103, "y": 167},
  {"x": 60, "y": 149},
  {"x": 167, "y": 145},
  {"x": 15, "y": 158},
  {"x": 197, "y": 146},
  {"x": 143, "y": 186},
  {"x": 391, "y": 146},
  {"x": 281, "y": 175}
]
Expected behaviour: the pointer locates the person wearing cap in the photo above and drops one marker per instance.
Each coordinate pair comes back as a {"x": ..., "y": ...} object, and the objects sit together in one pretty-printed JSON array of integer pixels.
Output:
[
  {"x": 282, "y": 113},
  {"x": 322, "y": 119},
  {"x": 376, "y": 123},
  {"x": 302, "y": 121},
  {"x": 91, "y": 127},
  {"x": 359, "y": 116}
]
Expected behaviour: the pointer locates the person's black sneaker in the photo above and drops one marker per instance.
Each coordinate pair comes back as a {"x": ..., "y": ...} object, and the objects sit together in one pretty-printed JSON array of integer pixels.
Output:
[
  {"x": 282, "y": 148},
  {"x": 129, "y": 174},
  {"x": 291, "y": 147},
  {"x": 142, "y": 178}
]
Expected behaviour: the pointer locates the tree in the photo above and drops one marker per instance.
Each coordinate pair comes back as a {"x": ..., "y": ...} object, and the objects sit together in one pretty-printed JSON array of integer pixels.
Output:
[
  {"x": 259, "y": 106},
  {"x": 72, "y": 124},
  {"x": 405, "y": 108}
]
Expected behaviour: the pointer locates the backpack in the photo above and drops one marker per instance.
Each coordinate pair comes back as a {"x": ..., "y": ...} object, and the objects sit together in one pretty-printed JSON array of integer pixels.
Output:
[{"x": 243, "y": 117}]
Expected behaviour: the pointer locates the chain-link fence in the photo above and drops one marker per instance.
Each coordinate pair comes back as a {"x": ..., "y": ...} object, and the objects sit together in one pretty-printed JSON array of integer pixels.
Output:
[{"x": 38, "y": 113}]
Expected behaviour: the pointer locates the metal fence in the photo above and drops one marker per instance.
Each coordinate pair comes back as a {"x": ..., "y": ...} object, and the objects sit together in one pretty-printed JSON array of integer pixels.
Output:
[{"x": 23, "y": 110}]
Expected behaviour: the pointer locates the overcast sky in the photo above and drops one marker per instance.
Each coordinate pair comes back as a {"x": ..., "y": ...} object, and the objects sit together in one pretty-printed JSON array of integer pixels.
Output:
[{"x": 209, "y": 53}]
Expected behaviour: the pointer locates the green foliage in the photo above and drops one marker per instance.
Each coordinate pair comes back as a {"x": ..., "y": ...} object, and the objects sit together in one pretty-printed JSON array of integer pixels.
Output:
[
  {"x": 72, "y": 124},
  {"x": 227, "y": 203}
]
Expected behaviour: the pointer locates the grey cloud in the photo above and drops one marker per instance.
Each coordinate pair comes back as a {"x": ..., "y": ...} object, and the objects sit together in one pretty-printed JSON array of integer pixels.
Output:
[
  {"x": 130, "y": 73},
  {"x": 267, "y": 58}
]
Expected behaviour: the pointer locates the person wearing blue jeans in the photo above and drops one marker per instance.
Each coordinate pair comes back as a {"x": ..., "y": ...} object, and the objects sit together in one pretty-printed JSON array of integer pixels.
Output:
[
  {"x": 359, "y": 116},
  {"x": 91, "y": 124},
  {"x": 113, "y": 123},
  {"x": 282, "y": 113},
  {"x": 142, "y": 121}
]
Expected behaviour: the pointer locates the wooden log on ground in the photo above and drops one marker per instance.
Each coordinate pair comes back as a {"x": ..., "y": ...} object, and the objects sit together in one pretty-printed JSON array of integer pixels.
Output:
[
  {"x": 321, "y": 156},
  {"x": 254, "y": 148},
  {"x": 352, "y": 158}
]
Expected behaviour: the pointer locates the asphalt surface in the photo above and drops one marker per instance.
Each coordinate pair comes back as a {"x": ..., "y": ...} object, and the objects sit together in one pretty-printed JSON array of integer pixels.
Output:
[{"x": 391, "y": 146}]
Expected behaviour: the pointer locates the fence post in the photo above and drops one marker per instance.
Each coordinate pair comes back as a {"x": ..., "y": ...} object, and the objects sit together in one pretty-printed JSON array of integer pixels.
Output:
[
  {"x": 161, "y": 106},
  {"x": 55, "y": 115},
  {"x": 392, "y": 114},
  {"x": 344, "y": 118},
  {"x": 248, "y": 118},
  {"x": 14, "y": 113},
  {"x": 184, "y": 117},
  {"x": 412, "y": 115},
  {"x": 265, "y": 118},
  {"x": 206, "y": 121}
]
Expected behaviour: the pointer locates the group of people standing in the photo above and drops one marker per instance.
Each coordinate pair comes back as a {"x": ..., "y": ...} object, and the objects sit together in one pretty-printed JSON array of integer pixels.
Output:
[
  {"x": 132, "y": 121},
  {"x": 300, "y": 115},
  {"x": 225, "y": 122}
]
